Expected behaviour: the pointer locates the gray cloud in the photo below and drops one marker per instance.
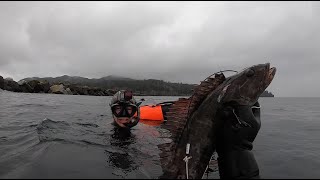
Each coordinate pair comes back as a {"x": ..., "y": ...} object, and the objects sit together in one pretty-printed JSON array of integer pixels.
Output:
[{"x": 174, "y": 41}]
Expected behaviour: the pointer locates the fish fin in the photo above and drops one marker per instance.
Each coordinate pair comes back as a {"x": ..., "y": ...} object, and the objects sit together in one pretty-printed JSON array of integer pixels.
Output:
[{"x": 177, "y": 118}]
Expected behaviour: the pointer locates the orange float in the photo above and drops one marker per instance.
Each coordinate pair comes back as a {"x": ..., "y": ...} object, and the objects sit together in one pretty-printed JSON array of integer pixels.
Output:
[
  {"x": 154, "y": 115},
  {"x": 151, "y": 113}
]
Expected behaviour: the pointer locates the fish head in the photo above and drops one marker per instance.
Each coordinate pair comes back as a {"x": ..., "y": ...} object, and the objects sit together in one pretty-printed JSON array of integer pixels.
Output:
[{"x": 245, "y": 87}]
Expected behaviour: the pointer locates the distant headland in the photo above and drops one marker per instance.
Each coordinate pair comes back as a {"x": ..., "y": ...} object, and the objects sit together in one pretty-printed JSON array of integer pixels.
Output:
[{"x": 105, "y": 86}]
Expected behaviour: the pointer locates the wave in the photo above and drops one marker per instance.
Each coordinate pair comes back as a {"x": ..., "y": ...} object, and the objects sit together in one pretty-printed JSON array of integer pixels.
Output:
[
  {"x": 3, "y": 139},
  {"x": 33, "y": 125},
  {"x": 280, "y": 109},
  {"x": 49, "y": 130},
  {"x": 33, "y": 105},
  {"x": 87, "y": 124},
  {"x": 50, "y": 124},
  {"x": 79, "y": 133},
  {"x": 17, "y": 144}
]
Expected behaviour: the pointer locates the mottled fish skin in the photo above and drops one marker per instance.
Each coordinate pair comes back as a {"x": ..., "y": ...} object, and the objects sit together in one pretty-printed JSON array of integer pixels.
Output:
[
  {"x": 178, "y": 115},
  {"x": 243, "y": 88}
]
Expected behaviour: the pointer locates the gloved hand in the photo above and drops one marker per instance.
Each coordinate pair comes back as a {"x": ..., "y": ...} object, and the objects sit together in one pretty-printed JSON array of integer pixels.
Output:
[{"x": 240, "y": 127}]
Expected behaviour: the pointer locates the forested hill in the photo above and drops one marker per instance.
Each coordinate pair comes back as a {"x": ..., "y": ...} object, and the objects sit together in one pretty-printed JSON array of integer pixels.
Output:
[{"x": 147, "y": 87}]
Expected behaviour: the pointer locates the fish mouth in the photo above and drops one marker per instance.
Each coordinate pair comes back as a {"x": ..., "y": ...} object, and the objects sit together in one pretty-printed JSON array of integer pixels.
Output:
[{"x": 270, "y": 74}]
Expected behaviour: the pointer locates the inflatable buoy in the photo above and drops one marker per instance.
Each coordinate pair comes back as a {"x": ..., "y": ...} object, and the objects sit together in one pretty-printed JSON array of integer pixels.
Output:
[{"x": 151, "y": 113}]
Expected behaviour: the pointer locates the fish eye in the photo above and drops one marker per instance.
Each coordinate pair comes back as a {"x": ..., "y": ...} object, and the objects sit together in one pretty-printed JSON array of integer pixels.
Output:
[{"x": 249, "y": 72}]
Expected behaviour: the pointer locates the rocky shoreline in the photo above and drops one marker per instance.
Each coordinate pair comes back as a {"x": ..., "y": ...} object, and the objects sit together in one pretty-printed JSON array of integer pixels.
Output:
[
  {"x": 35, "y": 86},
  {"x": 73, "y": 88}
]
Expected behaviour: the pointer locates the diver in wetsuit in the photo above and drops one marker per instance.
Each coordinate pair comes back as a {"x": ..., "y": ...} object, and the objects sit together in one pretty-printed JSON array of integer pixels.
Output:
[{"x": 234, "y": 142}]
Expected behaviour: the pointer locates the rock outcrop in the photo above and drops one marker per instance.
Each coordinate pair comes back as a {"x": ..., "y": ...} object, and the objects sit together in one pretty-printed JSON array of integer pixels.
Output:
[
  {"x": 1, "y": 82},
  {"x": 11, "y": 85},
  {"x": 43, "y": 86},
  {"x": 58, "y": 89}
]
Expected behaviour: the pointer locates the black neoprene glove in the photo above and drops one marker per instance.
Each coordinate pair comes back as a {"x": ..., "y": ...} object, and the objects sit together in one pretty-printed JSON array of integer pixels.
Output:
[{"x": 234, "y": 141}]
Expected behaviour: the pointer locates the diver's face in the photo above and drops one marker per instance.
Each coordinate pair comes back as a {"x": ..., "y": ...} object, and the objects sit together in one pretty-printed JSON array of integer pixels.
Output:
[
  {"x": 124, "y": 114},
  {"x": 121, "y": 121}
]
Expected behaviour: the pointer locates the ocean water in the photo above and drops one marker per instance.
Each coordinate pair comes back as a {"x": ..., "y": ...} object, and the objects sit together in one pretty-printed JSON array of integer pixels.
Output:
[{"x": 63, "y": 136}]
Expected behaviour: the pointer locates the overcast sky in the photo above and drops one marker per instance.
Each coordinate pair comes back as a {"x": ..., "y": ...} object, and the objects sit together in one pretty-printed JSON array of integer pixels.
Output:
[{"x": 173, "y": 41}]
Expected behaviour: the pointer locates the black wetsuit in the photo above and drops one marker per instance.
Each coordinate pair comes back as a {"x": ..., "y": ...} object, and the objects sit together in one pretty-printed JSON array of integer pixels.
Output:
[
  {"x": 234, "y": 142},
  {"x": 165, "y": 108}
]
